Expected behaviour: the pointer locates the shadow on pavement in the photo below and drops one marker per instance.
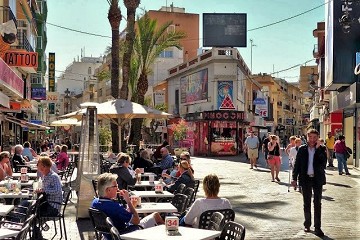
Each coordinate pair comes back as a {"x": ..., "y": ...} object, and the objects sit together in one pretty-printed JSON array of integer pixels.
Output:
[
  {"x": 339, "y": 185},
  {"x": 330, "y": 199},
  {"x": 86, "y": 230}
]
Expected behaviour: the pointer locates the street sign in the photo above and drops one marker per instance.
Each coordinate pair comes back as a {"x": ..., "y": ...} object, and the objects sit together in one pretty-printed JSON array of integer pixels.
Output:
[
  {"x": 289, "y": 121},
  {"x": 259, "y": 101}
]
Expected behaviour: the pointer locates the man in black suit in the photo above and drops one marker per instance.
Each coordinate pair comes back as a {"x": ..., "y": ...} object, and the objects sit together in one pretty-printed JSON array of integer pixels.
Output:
[{"x": 309, "y": 168}]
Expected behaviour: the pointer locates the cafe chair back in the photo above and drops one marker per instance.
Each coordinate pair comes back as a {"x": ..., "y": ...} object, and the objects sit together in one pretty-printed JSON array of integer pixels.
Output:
[
  {"x": 205, "y": 217},
  {"x": 98, "y": 220},
  {"x": 180, "y": 188},
  {"x": 115, "y": 233},
  {"x": 189, "y": 192},
  {"x": 196, "y": 189},
  {"x": 180, "y": 201},
  {"x": 216, "y": 222},
  {"x": 61, "y": 215},
  {"x": 232, "y": 231},
  {"x": 22, "y": 235},
  {"x": 94, "y": 184}
]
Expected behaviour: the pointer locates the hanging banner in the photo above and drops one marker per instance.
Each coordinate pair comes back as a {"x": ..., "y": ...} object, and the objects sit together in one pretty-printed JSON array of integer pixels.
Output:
[{"x": 225, "y": 95}]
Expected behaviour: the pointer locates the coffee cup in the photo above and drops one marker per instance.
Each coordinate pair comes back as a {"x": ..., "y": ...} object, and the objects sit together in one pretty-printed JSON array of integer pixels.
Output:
[
  {"x": 134, "y": 200},
  {"x": 151, "y": 178}
]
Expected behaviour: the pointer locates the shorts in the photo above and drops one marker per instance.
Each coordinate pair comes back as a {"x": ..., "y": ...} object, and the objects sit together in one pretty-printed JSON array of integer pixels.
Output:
[
  {"x": 253, "y": 153},
  {"x": 148, "y": 221},
  {"x": 275, "y": 160}
]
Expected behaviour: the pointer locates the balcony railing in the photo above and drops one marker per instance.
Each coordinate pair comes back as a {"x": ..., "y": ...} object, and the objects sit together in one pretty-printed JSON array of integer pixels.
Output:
[
  {"x": 23, "y": 42},
  {"x": 6, "y": 14},
  {"x": 287, "y": 107}
]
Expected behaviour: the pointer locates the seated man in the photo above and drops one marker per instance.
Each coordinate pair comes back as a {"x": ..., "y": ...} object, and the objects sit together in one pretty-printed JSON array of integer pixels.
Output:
[
  {"x": 167, "y": 162},
  {"x": 18, "y": 159},
  {"x": 126, "y": 176},
  {"x": 121, "y": 217},
  {"x": 51, "y": 186}
]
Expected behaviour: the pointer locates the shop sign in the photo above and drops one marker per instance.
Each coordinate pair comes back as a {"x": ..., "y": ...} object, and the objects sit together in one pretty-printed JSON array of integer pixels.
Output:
[
  {"x": 51, "y": 72},
  {"x": 219, "y": 124},
  {"x": 52, "y": 97},
  {"x": 9, "y": 78},
  {"x": 224, "y": 115},
  {"x": 21, "y": 59},
  {"x": 38, "y": 93}
]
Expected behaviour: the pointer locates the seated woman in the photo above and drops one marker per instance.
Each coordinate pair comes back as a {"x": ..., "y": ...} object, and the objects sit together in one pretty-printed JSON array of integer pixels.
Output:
[
  {"x": 122, "y": 218},
  {"x": 126, "y": 176},
  {"x": 186, "y": 177},
  {"x": 28, "y": 151},
  {"x": 57, "y": 150},
  {"x": 5, "y": 166},
  {"x": 211, "y": 186},
  {"x": 143, "y": 161},
  {"x": 62, "y": 160}
]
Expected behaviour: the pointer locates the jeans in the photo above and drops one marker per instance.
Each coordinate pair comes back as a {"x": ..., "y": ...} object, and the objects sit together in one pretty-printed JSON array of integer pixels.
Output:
[{"x": 342, "y": 162}]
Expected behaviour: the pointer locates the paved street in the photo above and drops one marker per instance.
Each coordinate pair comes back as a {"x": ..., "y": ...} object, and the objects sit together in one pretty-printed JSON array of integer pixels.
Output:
[{"x": 267, "y": 209}]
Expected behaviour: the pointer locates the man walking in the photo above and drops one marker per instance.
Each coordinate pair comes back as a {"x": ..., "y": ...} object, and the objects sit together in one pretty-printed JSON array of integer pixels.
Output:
[
  {"x": 252, "y": 148},
  {"x": 309, "y": 168},
  {"x": 329, "y": 143}
]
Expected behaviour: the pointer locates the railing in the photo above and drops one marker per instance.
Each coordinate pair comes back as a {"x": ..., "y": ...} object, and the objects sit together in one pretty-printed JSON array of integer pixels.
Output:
[
  {"x": 287, "y": 107},
  {"x": 24, "y": 43}
]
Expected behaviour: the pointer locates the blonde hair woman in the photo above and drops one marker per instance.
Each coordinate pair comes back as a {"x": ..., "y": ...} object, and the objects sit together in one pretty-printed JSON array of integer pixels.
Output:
[
  {"x": 5, "y": 166},
  {"x": 186, "y": 177},
  {"x": 212, "y": 201}
]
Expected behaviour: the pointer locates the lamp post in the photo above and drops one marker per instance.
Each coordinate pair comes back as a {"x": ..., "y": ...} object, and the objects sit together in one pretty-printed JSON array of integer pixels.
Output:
[
  {"x": 66, "y": 101},
  {"x": 251, "y": 53}
]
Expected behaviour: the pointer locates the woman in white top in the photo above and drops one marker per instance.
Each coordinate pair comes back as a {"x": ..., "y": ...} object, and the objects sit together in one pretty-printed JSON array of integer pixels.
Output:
[
  {"x": 293, "y": 152},
  {"x": 211, "y": 186}
]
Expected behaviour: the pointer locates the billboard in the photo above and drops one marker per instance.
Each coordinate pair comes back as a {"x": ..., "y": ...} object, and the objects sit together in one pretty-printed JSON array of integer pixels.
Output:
[
  {"x": 224, "y": 29},
  {"x": 225, "y": 95},
  {"x": 341, "y": 44},
  {"x": 194, "y": 87},
  {"x": 51, "y": 72}
]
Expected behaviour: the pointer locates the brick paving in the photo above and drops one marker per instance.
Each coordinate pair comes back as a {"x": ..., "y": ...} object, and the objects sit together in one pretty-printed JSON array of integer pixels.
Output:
[{"x": 266, "y": 209}]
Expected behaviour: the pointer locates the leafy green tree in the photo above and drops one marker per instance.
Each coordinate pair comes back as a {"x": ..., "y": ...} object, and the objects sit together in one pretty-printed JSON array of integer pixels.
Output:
[{"x": 150, "y": 41}]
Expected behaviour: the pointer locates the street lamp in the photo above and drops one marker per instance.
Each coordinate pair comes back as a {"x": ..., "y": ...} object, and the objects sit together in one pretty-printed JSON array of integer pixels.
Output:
[{"x": 66, "y": 100}]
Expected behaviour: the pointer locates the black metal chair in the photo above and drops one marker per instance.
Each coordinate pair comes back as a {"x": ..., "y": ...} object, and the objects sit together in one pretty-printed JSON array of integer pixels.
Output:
[
  {"x": 98, "y": 220},
  {"x": 196, "y": 189},
  {"x": 94, "y": 184},
  {"x": 115, "y": 233},
  {"x": 189, "y": 192},
  {"x": 205, "y": 217},
  {"x": 216, "y": 222},
  {"x": 23, "y": 232},
  {"x": 180, "y": 188},
  {"x": 179, "y": 201},
  {"x": 232, "y": 231},
  {"x": 61, "y": 215}
]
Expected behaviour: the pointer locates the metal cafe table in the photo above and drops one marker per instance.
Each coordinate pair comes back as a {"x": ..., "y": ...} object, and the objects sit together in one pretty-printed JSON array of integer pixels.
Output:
[
  {"x": 31, "y": 175},
  {"x": 5, "y": 209},
  {"x": 145, "y": 195},
  {"x": 150, "y": 207},
  {"x": 159, "y": 232},
  {"x": 7, "y": 233},
  {"x": 23, "y": 184}
]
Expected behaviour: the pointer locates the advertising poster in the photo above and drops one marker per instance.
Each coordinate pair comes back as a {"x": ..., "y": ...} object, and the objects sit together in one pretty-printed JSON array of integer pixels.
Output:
[
  {"x": 194, "y": 87},
  {"x": 38, "y": 93},
  {"x": 225, "y": 95}
]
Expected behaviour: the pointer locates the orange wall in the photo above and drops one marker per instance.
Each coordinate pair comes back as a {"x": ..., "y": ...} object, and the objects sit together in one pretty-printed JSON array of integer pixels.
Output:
[{"x": 185, "y": 22}]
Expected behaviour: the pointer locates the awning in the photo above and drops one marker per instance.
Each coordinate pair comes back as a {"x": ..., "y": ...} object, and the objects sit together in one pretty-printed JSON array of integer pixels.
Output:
[
  {"x": 4, "y": 100},
  {"x": 27, "y": 124}
]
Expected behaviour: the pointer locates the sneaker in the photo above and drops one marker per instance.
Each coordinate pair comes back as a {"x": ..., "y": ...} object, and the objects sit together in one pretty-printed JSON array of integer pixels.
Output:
[
  {"x": 348, "y": 173},
  {"x": 307, "y": 229},
  {"x": 319, "y": 232},
  {"x": 340, "y": 173}
]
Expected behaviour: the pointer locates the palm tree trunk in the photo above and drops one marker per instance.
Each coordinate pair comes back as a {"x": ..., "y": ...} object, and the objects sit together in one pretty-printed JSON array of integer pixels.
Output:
[
  {"x": 129, "y": 43},
  {"x": 114, "y": 16}
]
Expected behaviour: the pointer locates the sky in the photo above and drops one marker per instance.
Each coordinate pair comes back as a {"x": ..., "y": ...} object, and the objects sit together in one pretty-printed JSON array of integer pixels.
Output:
[{"x": 278, "y": 47}]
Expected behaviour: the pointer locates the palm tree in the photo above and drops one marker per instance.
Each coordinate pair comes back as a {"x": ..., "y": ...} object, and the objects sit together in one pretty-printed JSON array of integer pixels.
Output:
[
  {"x": 150, "y": 41},
  {"x": 114, "y": 16},
  {"x": 131, "y": 6}
]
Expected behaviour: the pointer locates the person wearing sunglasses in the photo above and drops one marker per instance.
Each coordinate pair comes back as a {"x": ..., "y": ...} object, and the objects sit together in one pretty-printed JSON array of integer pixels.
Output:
[
  {"x": 186, "y": 177},
  {"x": 125, "y": 219}
]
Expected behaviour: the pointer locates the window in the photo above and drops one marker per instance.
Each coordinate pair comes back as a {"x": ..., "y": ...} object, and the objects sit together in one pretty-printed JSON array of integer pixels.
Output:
[
  {"x": 166, "y": 54},
  {"x": 89, "y": 70}
]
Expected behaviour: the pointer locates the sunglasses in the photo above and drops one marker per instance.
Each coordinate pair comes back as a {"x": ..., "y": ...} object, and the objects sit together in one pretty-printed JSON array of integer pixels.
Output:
[
  {"x": 114, "y": 186},
  {"x": 183, "y": 158}
]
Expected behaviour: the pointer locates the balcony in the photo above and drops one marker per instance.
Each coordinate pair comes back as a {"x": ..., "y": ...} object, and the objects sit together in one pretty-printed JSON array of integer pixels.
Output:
[
  {"x": 6, "y": 15},
  {"x": 23, "y": 42},
  {"x": 287, "y": 107}
]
